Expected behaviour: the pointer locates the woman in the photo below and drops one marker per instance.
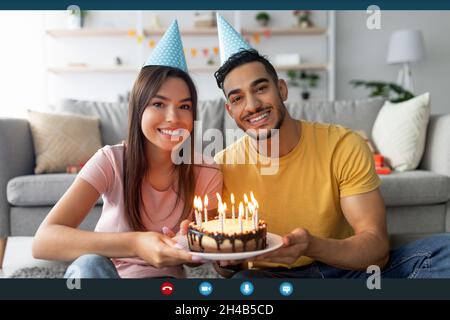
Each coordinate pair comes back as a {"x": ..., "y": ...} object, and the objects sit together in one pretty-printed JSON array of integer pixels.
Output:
[{"x": 147, "y": 198}]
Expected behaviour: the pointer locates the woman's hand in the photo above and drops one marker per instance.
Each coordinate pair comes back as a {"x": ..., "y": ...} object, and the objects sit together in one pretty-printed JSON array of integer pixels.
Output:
[
  {"x": 161, "y": 251},
  {"x": 183, "y": 231}
]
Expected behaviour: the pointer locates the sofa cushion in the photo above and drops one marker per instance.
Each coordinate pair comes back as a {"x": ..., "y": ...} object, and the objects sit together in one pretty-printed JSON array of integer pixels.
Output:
[
  {"x": 113, "y": 116},
  {"x": 62, "y": 140},
  {"x": 26, "y": 220},
  {"x": 399, "y": 132},
  {"x": 39, "y": 190},
  {"x": 353, "y": 114},
  {"x": 416, "y": 187}
]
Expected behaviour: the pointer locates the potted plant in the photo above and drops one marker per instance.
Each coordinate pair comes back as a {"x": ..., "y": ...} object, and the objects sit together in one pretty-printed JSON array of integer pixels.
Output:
[
  {"x": 263, "y": 18},
  {"x": 305, "y": 80},
  {"x": 388, "y": 90},
  {"x": 303, "y": 18}
]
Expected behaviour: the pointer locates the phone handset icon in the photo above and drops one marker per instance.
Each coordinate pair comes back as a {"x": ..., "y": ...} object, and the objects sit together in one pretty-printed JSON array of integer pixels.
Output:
[{"x": 167, "y": 288}]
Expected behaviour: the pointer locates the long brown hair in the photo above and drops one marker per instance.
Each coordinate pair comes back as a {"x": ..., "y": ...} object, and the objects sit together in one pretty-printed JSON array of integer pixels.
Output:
[{"x": 135, "y": 165}]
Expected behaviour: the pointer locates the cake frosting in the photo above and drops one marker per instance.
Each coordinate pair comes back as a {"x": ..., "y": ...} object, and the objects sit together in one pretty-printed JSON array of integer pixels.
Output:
[{"x": 209, "y": 237}]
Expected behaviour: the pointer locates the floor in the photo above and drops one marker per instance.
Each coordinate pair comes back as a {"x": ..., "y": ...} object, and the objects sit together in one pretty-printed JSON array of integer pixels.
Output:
[{"x": 18, "y": 255}]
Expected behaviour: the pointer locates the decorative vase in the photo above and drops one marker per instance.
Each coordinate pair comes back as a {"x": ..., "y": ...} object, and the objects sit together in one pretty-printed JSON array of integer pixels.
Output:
[
  {"x": 304, "y": 24},
  {"x": 305, "y": 95},
  {"x": 74, "y": 21},
  {"x": 263, "y": 22}
]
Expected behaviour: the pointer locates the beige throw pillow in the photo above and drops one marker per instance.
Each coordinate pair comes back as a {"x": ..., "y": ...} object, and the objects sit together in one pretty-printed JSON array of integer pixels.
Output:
[
  {"x": 399, "y": 132},
  {"x": 62, "y": 140}
]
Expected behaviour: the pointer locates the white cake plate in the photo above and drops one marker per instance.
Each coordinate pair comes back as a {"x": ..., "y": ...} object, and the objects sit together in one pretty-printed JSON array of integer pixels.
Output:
[{"x": 274, "y": 242}]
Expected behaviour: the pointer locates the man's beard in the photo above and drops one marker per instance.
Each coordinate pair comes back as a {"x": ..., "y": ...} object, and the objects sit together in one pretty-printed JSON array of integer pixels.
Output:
[{"x": 266, "y": 134}]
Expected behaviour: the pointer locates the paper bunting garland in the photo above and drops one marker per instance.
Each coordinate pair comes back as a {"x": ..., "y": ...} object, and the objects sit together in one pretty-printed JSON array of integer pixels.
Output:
[{"x": 255, "y": 38}]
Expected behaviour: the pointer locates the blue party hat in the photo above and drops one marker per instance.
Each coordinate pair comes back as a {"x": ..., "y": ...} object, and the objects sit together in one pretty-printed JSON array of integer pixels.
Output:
[
  {"x": 169, "y": 51},
  {"x": 230, "y": 41}
]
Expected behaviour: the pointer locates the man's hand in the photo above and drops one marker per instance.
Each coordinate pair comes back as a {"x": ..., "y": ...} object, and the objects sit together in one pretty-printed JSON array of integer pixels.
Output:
[{"x": 295, "y": 244}]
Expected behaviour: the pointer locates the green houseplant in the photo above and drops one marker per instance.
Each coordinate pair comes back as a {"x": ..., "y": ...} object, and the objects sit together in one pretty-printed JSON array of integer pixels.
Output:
[
  {"x": 303, "y": 18},
  {"x": 305, "y": 80},
  {"x": 391, "y": 91},
  {"x": 263, "y": 18}
]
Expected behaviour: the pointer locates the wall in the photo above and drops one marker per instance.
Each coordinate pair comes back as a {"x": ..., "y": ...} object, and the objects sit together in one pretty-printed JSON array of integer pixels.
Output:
[
  {"x": 100, "y": 51},
  {"x": 361, "y": 53},
  {"x": 22, "y": 72}
]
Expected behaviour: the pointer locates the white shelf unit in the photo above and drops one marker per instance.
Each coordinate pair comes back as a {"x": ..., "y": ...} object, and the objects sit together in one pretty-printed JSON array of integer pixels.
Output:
[
  {"x": 102, "y": 32},
  {"x": 112, "y": 69},
  {"x": 327, "y": 67}
]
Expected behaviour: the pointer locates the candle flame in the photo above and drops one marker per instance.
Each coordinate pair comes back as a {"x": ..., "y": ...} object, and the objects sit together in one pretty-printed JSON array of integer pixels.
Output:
[
  {"x": 232, "y": 198},
  {"x": 245, "y": 198},
  {"x": 251, "y": 208},
  {"x": 196, "y": 202},
  {"x": 206, "y": 201},
  {"x": 219, "y": 197},
  {"x": 241, "y": 209},
  {"x": 255, "y": 203}
]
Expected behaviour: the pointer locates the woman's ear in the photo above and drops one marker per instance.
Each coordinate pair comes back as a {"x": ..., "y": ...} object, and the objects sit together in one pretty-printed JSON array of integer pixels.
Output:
[{"x": 282, "y": 87}]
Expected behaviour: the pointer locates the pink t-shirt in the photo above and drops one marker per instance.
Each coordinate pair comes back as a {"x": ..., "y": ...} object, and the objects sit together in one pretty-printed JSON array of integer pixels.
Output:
[{"x": 104, "y": 171}]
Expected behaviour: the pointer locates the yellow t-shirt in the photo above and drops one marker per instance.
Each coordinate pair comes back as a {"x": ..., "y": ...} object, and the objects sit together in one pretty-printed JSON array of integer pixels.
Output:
[{"x": 328, "y": 162}]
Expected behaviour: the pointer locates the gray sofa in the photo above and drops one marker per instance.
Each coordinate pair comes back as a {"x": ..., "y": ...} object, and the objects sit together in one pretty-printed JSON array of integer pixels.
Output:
[{"x": 418, "y": 202}]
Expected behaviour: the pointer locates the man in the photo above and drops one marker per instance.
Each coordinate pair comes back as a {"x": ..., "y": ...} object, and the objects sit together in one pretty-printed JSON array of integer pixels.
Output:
[{"x": 324, "y": 198}]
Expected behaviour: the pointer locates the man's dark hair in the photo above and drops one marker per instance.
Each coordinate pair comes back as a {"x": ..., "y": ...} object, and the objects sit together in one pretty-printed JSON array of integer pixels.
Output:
[{"x": 240, "y": 58}]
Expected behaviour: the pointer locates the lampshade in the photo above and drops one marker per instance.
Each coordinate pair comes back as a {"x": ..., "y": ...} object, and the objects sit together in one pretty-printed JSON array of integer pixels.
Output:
[{"x": 406, "y": 46}]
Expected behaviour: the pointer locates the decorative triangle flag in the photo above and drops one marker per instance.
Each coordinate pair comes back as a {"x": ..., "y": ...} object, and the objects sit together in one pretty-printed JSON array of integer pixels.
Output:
[
  {"x": 230, "y": 41},
  {"x": 169, "y": 51}
]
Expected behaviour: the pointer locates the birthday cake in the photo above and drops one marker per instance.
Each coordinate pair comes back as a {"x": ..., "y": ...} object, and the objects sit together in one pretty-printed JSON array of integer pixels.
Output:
[{"x": 210, "y": 237}]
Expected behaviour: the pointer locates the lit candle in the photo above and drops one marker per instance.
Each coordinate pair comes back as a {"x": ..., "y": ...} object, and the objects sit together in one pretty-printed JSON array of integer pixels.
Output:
[
  {"x": 200, "y": 208},
  {"x": 246, "y": 206},
  {"x": 251, "y": 208},
  {"x": 206, "y": 208},
  {"x": 222, "y": 222},
  {"x": 224, "y": 210},
  {"x": 224, "y": 215},
  {"x": 198, "y": 219},
  {"x": 219, "y": 198},
  {"x": 256, "y": 206},
  {"x": 219, "y": 207},
  {"x": 232, "y": 206},
  {"x": 195, "y": 209},
  {"x": 240, "y": 215}
]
